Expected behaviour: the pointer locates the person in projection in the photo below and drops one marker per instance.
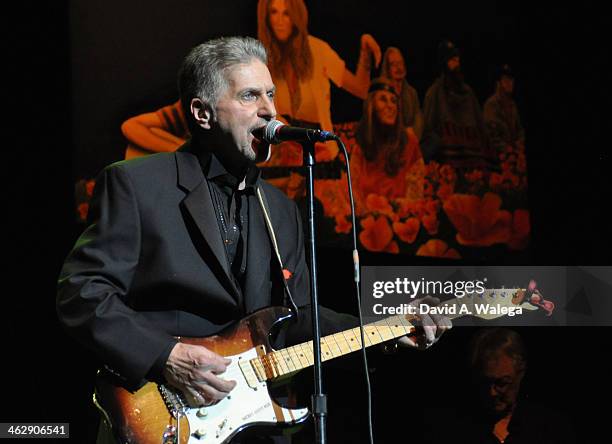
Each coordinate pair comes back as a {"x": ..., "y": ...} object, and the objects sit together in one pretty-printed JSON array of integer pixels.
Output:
[
  {"x": 387, "y": 159},
  {"x": 501, "y": 114},
  {"x": 158, "y": 131},
  {"x": 303, "y": 67},
  {"x": 394, "y": 68},
  {"x": 454, "y": 126}
]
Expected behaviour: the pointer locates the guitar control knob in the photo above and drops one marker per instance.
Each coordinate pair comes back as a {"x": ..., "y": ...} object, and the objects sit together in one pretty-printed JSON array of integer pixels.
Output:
[
  {"x": 202, "y": 412},
  {"x": 200, "y": 433},
  {"x": 169, "y": 436}
]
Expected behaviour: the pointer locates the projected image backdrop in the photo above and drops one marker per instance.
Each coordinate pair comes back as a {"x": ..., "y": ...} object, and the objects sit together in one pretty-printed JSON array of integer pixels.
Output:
[{"x": 436, "y": 170}]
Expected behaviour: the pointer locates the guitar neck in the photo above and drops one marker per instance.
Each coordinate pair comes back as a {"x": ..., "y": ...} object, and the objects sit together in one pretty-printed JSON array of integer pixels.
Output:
[
  {"x": 289, "y": 360},
  {"x": 300, "y": 356}
]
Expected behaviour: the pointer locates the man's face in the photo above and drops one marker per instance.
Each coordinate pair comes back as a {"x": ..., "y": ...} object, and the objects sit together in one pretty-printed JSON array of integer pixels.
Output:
[
  {"x": 500, "y": 382},
  {"x": 279, "y": 20},
  {"x": 507, "y": 84},
  {"x": 397, "y": 68},
  {"x": 385, "y": 107},
  {"x": 245, "y": 106},
  {"x": 453, "y": 64}
]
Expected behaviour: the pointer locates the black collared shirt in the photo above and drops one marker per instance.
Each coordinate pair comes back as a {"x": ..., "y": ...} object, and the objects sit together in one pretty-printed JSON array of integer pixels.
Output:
[{"x": 232, "y": 210}]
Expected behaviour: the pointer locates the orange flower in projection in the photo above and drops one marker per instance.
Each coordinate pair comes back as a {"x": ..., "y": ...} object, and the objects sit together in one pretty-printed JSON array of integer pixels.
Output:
[
  {"x": 432, "y": 206},
  {"x": 432, "y": 170},
  {"x": 392, "y": 248},
  {"x": 495, "y": 180},
  {"x": 521, "y": 228},
  {"x": 427, "y": 188},
  {"x": 437, "y": 248},
  {"x": 82, "y": 211},
  {"x": 431, "y": 223},
  {"x": 376, "y": 234},
  {"x": 407, "y": 231},
  {"x": 333, "y": 194},
  {"x": 342, "y": 225},
  {"x": 474, "y": 176},
  {"x": 379, "y": 204},
  {"x": 447, "y": 174},
  {"x": 445, "y": 191},
  {"x": 479, "y": 222},
  {"x": 420, "y": 208},
  {"x": 512, "y": 178},
  {"x": 406, "y": 207},
  {"x": 89, "y": 187}
]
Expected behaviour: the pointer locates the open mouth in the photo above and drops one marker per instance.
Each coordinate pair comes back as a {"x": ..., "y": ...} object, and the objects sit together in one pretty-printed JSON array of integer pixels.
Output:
[
  {"x": 257, "y": 141},
  {"x": 259, "y": 145},
  {"x": 258, "y": 137},
  {"x": 258, "y": 134}
]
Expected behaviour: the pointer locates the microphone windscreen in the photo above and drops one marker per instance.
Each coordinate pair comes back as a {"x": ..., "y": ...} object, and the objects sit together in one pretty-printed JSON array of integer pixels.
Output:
[{"x": 269, "y": 132}]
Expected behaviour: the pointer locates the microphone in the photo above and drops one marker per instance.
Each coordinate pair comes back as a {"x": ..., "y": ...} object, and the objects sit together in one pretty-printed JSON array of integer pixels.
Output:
[{"x": 276, "y": 132}]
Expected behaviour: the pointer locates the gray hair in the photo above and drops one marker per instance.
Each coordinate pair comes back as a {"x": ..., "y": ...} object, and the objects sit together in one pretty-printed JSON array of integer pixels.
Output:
[
  {"x": 203, "y": 72},
  {"x": 490, "y": 343}
]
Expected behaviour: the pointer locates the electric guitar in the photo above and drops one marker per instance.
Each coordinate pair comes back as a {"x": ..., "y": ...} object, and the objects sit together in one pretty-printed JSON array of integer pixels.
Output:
[{"x": 158, "y": 413}]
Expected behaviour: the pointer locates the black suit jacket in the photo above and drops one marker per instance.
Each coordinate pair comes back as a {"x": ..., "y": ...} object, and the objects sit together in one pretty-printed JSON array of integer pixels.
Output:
[{"x": 152, "y": 265}]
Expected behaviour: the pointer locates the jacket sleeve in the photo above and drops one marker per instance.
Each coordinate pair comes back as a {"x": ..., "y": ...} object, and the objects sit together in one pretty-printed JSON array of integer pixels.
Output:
[{"x": 94, "y": 283}]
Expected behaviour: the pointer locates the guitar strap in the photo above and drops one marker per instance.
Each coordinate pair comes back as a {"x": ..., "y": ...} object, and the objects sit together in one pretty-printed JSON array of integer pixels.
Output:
[{"x": 266, "y": 211}]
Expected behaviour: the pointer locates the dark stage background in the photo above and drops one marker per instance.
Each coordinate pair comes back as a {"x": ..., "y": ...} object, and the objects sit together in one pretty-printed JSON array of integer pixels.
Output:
[{"x": 565, "y": 88}]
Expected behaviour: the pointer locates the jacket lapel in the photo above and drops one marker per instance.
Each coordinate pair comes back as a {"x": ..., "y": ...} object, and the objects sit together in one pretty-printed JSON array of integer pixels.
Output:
[{"x": 198, "y": 204}]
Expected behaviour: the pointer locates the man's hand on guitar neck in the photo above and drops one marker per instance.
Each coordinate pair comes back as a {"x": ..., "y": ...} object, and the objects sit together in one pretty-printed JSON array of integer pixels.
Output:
[
  {"x": 430, "y": 327},
  {"x": 194, "y": 370}
]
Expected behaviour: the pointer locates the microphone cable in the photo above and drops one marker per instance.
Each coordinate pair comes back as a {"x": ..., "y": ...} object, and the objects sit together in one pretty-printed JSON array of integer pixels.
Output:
[{"x": 357, "y": 278}]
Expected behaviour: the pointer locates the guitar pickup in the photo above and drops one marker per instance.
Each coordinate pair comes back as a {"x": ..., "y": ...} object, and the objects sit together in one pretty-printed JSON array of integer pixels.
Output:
[{"x": 250, "y": 373}]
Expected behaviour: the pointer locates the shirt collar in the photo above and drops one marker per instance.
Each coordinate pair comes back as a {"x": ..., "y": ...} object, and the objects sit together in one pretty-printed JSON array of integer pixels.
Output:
[{"x": 214, "y": 170}]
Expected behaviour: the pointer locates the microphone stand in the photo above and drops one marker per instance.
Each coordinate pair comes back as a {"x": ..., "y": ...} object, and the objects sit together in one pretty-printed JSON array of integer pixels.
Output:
[
  {"x": 319, "y": 399},
  {"x": 275, "y": 132}
]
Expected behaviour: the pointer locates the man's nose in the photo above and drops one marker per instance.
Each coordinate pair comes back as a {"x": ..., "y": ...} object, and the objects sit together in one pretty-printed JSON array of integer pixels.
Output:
[
  {"x": 493, "y": 392},
  {"x": 267, "y": 108}
]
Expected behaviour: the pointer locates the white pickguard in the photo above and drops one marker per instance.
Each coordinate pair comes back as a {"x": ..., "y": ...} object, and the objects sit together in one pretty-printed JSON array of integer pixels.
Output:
[{"x": 245, "y": 405}]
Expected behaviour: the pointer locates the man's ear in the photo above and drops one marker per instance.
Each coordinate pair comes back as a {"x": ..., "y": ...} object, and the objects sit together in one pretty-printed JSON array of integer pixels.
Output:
[{"x": 202, "y": 113}]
